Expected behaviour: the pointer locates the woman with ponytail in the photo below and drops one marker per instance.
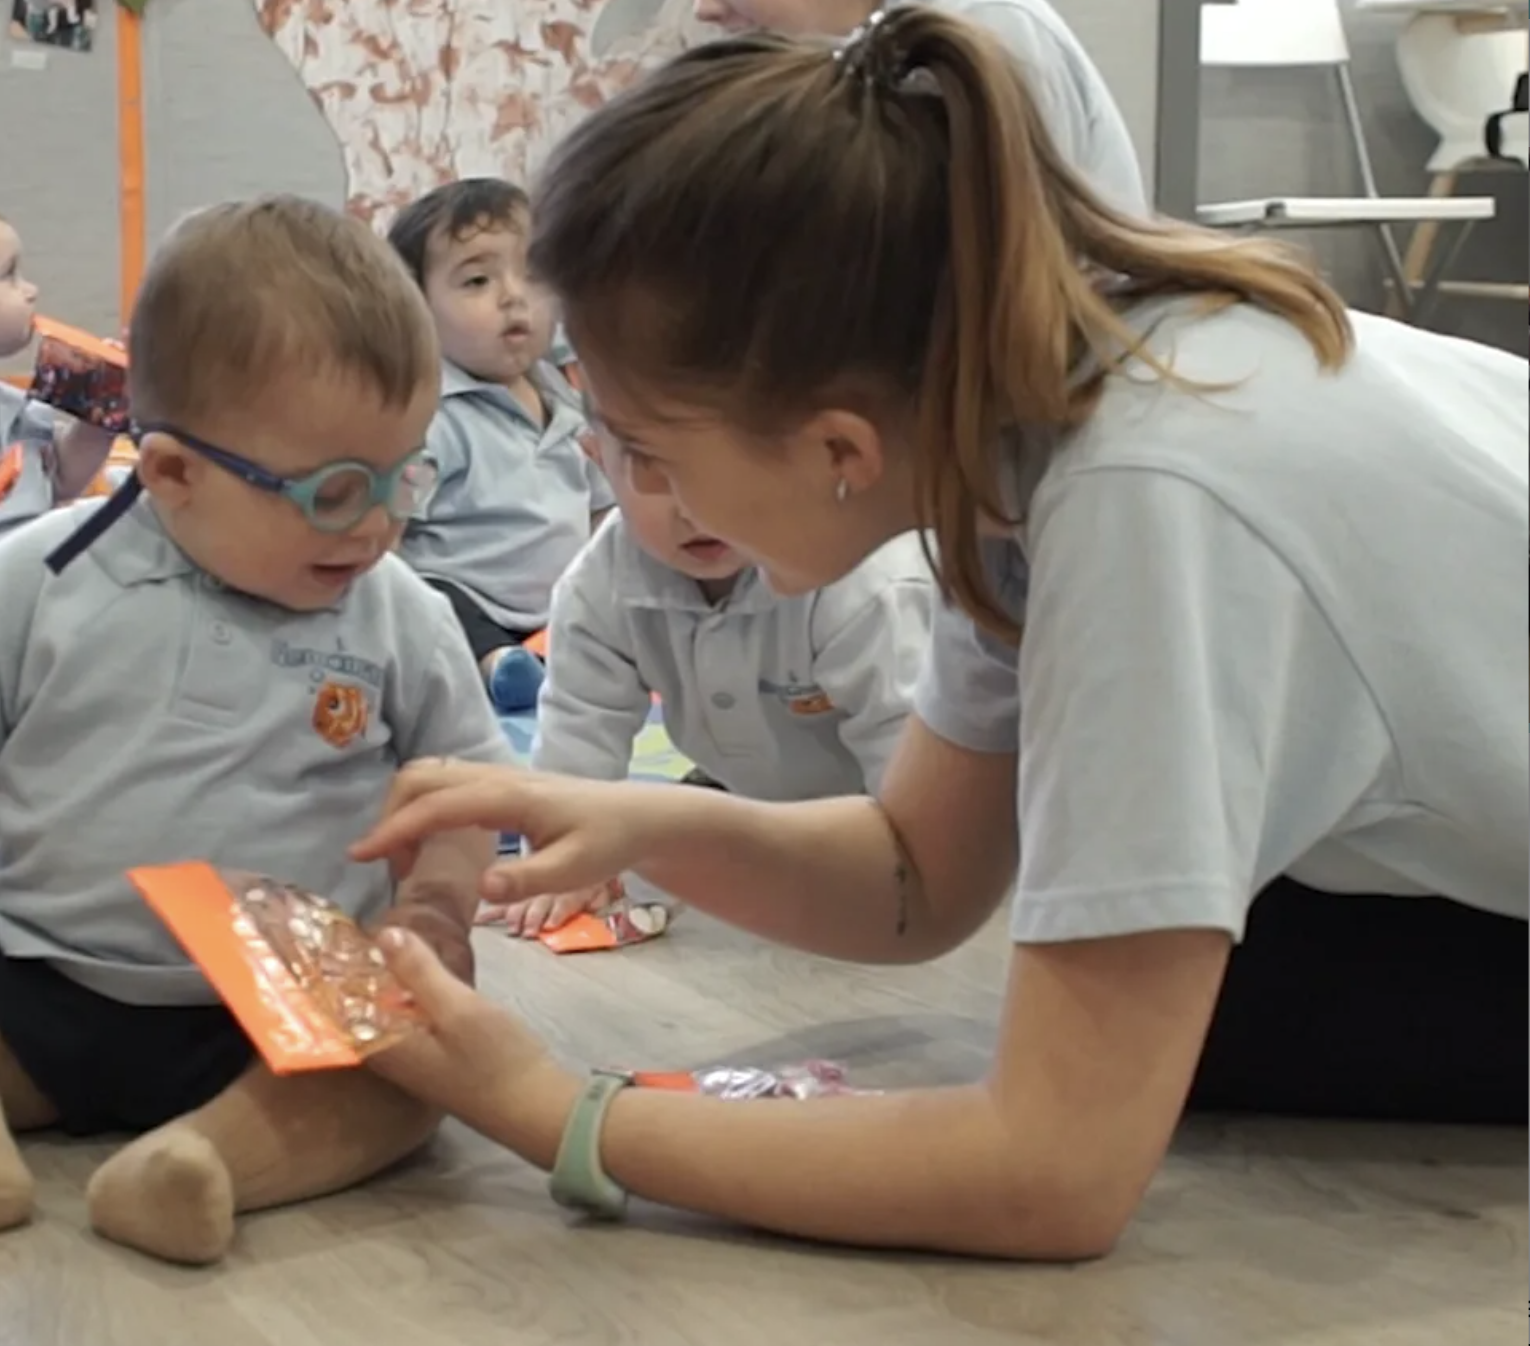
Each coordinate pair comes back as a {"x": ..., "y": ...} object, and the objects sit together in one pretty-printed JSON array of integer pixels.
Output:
[{"x": 1229, "y": 698}]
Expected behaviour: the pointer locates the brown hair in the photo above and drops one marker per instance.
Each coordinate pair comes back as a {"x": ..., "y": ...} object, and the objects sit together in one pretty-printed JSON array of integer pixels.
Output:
[
  {"x": 767, "y": 228},
  {"x": 456, "y": 210},
  {"x": 242, "y": 294}
]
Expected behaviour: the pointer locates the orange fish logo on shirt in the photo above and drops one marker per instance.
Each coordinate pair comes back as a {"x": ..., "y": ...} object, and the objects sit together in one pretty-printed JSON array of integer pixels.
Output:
[
  {"x": 10, "y": 469},
  {"x": 810, "y": 703},
  {"x": 340, "y": 713}
]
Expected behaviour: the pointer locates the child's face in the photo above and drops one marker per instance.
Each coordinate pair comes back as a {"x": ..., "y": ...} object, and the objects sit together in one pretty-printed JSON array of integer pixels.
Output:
[
  {"x": 804, "y": 509},
  {"x": 491, "y": 320},
  {"x": 261, "y": 543},
  {"x": 654, "y": 519},
  {"x": 18, "y": 296}
]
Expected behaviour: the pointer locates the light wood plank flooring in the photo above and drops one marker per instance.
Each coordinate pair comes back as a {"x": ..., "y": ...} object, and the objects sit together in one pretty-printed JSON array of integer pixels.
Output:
[{"x": 1255, "y": 1233}]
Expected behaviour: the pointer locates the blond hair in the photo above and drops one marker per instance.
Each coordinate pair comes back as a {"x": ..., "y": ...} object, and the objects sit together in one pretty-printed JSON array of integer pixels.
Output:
[
  {"x": 244, "y": 294},
  {"x": 768, "y": 228}
]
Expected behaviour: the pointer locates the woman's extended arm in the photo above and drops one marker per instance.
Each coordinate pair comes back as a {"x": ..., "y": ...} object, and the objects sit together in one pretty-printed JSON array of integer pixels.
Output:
[
  {"x": 900, "y": 880},
  {"x": 1046, "y": 1159}
]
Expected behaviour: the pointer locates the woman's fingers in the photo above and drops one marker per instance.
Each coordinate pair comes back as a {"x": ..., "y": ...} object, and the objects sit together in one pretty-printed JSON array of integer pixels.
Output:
[
  {"x": 559, "y": 867},
  {"x": 434, "y": 990},
  {"x": 427, "y": 776},
  {"x": 419, "y": 808}
]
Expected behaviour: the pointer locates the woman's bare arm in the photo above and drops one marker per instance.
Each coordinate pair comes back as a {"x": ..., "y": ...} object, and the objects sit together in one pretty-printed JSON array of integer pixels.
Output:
[
  {"x": 898, "y": 880},
  {"x": 1048, "y": 1158},
  {"x": 901, "y": 879}
]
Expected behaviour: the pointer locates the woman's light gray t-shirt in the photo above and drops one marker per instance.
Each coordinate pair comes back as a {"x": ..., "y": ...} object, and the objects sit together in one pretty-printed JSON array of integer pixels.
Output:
[{"x": 1277, "y": 629}]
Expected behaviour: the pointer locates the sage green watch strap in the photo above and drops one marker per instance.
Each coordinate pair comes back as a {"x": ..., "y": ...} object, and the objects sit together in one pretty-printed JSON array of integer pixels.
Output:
[{"x": 578, "y": 1180}]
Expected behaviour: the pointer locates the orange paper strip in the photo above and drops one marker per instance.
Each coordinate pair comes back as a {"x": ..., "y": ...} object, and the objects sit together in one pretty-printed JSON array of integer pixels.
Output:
[
  {"x": 676, "y": 1081},
  {"x": 86, "y": 343},
  {"x": 583, "y": 934}
]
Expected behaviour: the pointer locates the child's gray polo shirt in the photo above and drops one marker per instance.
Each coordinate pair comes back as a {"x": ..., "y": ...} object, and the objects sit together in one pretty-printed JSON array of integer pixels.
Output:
[
  {"x": 777, "y": 698},
  {"x": 148, "y": 715},
  {"x": 514, "y": 502},
  {"x": 27, "y": 426}
]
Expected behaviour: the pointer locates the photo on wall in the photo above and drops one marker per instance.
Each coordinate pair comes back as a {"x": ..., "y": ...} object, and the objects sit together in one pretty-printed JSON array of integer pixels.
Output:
[{"x": 64, "y": 25}]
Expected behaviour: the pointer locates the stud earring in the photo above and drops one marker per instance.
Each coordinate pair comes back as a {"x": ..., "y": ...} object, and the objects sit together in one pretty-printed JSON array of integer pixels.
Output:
[{"x": 841, "y": 491}]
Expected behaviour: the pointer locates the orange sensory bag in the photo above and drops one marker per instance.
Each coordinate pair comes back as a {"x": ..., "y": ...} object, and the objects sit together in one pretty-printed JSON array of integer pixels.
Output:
[
  {"x": 81, "y": 375},
  {"x": 308, "y": 985},
  {"x": 614, "y": 928},
  {"x": 805, "y": 1079}
]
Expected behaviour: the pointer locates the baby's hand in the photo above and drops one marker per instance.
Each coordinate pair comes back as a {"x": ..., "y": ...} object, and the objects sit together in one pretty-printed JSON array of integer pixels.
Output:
[
  {"x": 80, "y": 451},
  {"x": 548, "y": 911}
]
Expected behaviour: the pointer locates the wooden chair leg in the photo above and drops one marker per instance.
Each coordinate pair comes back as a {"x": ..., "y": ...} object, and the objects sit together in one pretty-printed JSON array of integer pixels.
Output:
[{"x": 1421, "y": 245}]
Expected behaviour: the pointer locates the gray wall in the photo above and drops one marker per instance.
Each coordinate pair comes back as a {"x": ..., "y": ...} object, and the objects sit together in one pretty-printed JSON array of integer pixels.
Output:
[
  {"x": 58, "y": 174},
  {"x": 1267, "y": 132},
  {"x": 224, "y": 116},
  {"x": 239, "y": 122}
]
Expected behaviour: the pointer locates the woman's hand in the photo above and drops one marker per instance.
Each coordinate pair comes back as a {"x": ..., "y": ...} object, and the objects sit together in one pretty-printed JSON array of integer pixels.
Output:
[
  {"x": 580, "y": 833},
  {"x": 447, "y": 937},
  {"x": 473, "y": 1059}
]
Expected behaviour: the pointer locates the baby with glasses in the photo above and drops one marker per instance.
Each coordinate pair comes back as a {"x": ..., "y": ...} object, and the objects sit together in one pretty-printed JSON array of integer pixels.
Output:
[{"x": 225, "y": 661}]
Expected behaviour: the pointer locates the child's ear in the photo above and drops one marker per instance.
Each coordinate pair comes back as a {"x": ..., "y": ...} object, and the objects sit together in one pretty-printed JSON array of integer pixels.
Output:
[{"x": 168, "y": 471}]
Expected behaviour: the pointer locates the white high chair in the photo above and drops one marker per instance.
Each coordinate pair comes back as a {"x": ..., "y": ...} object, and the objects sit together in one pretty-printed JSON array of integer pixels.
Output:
[
  {"x": 1309, "y": 34},
  {"x": 1461, "y": 62}
]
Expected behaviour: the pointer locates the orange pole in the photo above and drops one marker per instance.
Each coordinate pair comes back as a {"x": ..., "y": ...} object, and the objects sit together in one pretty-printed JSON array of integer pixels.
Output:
[{"x": 130, "y": 155}]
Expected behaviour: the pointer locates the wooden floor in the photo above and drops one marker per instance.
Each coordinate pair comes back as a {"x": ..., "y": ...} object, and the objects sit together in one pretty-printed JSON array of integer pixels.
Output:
[{"x": 1253, "y": 1234}]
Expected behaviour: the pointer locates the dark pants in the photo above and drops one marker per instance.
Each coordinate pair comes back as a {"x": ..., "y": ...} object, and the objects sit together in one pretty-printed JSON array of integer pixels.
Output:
[
  {"x": 484, "y": 635},
  {"x": 107, "y": 1066},
  {"x": 1371, "y": 1007}
]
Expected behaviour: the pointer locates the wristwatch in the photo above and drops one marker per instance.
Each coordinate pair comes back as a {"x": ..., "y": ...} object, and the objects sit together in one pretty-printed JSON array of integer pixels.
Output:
[{"x": 578, "y": 1181}]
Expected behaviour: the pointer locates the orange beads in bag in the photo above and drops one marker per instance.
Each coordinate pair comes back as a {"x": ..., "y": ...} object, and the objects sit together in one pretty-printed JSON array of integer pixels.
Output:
[{"x": 308, "y": 985}]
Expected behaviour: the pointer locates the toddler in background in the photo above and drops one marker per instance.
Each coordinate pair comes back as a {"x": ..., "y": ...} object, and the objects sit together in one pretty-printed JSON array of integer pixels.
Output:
[
  {"x": 272, "y": 665},
  {"x": 45, "y": 457},
  {"x": 779, "y": 698},
  {"x": 517, "y": 496}
]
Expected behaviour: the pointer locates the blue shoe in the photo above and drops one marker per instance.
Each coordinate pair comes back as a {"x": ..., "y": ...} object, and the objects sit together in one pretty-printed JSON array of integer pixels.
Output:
[{"x": 515, "y": 681}]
